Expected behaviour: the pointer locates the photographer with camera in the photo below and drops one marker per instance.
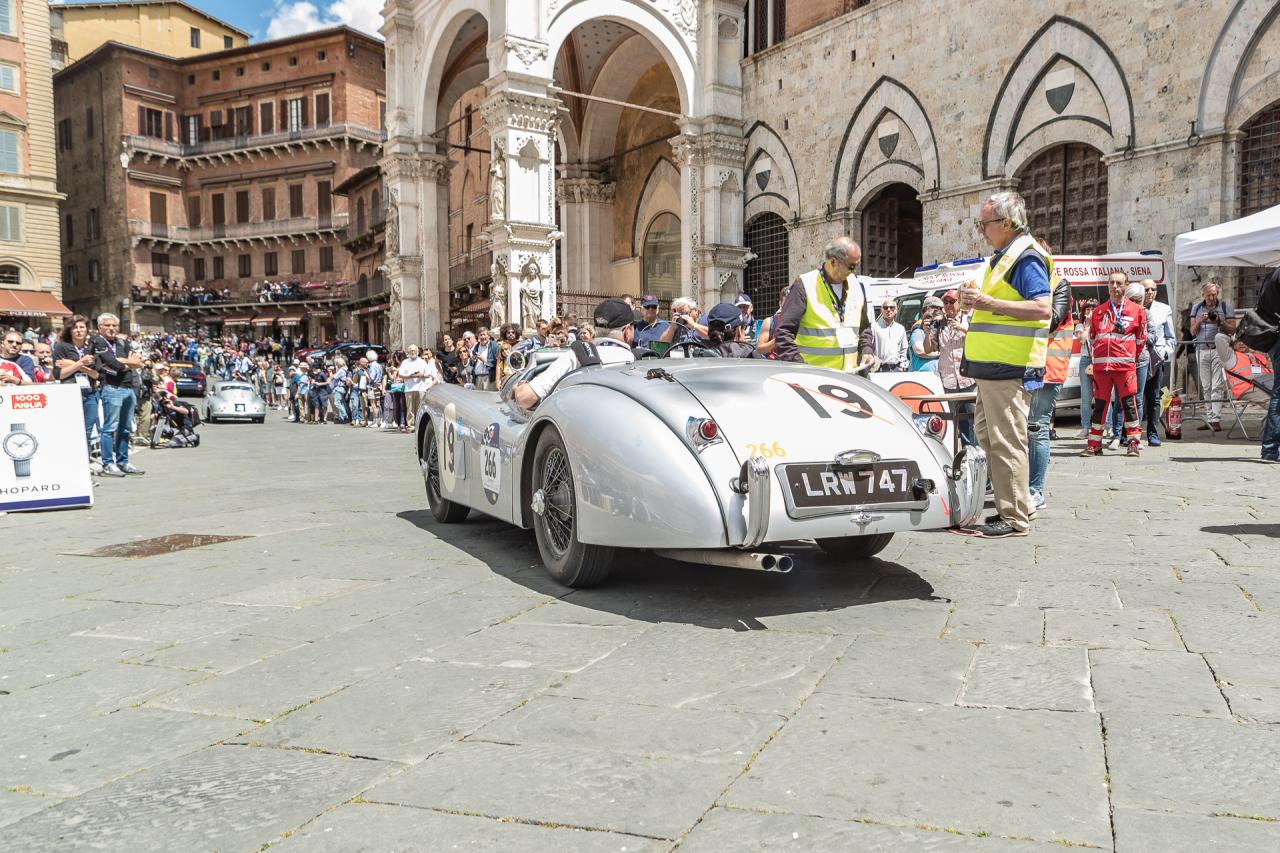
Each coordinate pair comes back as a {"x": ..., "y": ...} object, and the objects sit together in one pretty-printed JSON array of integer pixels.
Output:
[
  {"x": 684, "y": 322},
  {"x": 945, "y": 338},
  {"x": 1208, "y": 317},
  {"x": 932, "y": 320}
]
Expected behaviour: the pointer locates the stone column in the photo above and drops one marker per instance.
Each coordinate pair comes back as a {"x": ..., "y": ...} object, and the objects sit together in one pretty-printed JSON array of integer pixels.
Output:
[
  {"x": 586, "y": 215},
  {"x": 712, "y": 256},
  {"x": 520, "y": 115},
  {"x": 415, "y": 194}
]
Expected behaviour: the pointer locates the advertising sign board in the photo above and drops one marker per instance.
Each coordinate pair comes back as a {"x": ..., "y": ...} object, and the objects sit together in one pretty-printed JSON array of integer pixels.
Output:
[{"x": 44, "y": 463}]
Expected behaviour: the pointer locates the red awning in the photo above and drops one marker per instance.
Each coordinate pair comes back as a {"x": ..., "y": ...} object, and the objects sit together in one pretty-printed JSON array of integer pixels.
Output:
[
  {"x": 290, "y": 319},
  {"x": 237, "y": 320},
  {"x": 31, "y": 303},
  {"x": 320, "y": 314}
]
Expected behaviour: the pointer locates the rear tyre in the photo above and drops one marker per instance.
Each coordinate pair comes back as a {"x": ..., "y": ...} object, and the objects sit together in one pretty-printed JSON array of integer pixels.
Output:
[
  {"x": 856, "y": 547},
  {"x": 569, "y": 561},
  {"x": 260, "y": 420},
  {"x": 445, "y": 510}
]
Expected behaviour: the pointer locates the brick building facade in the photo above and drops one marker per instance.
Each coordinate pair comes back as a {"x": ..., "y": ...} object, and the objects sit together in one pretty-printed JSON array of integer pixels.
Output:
[{"x": 216, "y": 173}]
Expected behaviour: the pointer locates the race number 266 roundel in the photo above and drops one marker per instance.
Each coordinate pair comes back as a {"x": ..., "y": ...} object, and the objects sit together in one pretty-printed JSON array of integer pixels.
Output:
[{"x": 491, "y": 464}]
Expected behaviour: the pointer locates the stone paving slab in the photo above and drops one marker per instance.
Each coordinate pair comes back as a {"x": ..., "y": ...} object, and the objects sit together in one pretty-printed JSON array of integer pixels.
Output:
[
  {"x": 1159, "y": 832},
  {"x": 923, "y": 670},
  {"x": 987, "y": 623},
  {"x": 1068, "y": 595},
  {"x": 736, "y": 831},
  {"x": 1044, "y": 677},
  {"x": 228, "y": 798},
  {"x": 767, "y": 672},
  {"x": 1155, "y": 682},
  {"x": 70, "y": 756},
  {"x": 39, "y": 630},
  {"x": 46, "y": 662},
  {"x": 1249, "y": 633},
  {"x": 560, "y": 648},
  {"x": 700, "y": 734},
  {"x": 406, "y": 713},
  {"x": 220, "y": 653},
  {"x": 1195, "y": 765},
  {"x": 297, "y": 592},
  {"x": 15, "y": 805},
  {"x": 1124, "y": 629},
  {"x": 651, "y": 796},
  {"x": 375, "y": 828},
  {"x": 176, "y": 624},
  {"x": 1038, "y": 774}
]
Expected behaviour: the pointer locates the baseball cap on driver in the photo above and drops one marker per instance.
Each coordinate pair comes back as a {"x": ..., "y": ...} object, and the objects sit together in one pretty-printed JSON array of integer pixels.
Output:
[
  {"x": 743, "y": 299},
  {"x": 613, "y": 314}
]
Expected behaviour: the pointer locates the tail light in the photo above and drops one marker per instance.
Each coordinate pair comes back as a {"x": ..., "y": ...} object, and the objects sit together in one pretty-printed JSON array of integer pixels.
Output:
[
  {"x": 702, "y": 433},
  {"x": 931, "y": 425}
]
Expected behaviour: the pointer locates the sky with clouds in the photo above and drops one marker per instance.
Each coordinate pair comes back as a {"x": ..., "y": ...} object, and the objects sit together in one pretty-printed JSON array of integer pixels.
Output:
[{"x": 278, "y": 18}]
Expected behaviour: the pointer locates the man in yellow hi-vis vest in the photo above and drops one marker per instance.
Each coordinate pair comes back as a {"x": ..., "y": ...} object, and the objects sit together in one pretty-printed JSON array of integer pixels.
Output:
[
  {"x": 827, "y": 319},
  {"x": 1004, "y": 351}
]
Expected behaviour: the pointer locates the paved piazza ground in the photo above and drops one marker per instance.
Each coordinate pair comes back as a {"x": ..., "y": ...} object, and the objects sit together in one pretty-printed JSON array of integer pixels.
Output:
[{"x": 348, "y": 675}]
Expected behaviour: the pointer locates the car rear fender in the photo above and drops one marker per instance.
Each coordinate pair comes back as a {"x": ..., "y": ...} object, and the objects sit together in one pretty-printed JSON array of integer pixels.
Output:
[{"x": 637, "y": 482}]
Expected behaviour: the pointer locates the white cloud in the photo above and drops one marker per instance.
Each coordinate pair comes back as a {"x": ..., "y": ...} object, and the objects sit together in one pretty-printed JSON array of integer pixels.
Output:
[{"x": 289, "y": 19}]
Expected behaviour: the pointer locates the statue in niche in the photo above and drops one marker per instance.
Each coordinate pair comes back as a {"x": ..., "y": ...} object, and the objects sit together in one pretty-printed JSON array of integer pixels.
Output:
[
  {"x": 497, "y": 186},
  {"x": 393, "y": 223},
  {"x": 498, "y": 295}
]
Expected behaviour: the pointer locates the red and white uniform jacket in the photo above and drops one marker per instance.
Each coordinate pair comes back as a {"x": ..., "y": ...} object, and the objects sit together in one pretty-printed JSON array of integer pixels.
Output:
[{"x": 1117, "y": 336}]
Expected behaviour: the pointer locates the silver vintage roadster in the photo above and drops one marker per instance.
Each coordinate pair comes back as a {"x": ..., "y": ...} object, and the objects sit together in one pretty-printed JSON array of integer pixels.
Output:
[{"x": 709, "y": 460}]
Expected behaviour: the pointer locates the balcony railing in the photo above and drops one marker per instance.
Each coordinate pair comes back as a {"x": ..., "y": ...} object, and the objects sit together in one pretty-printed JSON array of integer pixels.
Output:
[
  {"x": 238, "y": 230},
  {"x": 149, "y": 144},
  {"x": 473, "y": 268}
]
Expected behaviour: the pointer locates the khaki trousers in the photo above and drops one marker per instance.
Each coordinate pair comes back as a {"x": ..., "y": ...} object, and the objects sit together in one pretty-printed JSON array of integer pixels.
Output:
[
  {"x": 413, "y": 399},
  {"x": 1001, "y": 425}
]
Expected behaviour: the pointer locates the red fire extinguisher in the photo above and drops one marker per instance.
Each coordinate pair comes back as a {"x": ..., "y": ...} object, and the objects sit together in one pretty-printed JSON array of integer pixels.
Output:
[{"x": 1173, "y": 418}]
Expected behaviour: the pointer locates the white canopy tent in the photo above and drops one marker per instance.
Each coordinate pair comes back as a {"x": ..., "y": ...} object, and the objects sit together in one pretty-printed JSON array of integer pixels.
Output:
[{"x": 1253, "y": 241}]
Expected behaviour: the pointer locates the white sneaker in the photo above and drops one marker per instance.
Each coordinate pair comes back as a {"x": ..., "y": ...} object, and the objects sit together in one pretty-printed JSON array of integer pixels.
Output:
[
  {"x": 1084, "y": 433},
  {"x": 1037, "y": 500},
  {"x": 1113, "y": 443},
  {"x": 95, "y": 467}
]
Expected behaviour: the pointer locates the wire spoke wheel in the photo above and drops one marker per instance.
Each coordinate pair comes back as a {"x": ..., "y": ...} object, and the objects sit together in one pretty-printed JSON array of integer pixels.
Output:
[
  {"x": 558, "y": 488},
  {"x": 445, "y": 510},
  {"x": 433, "y": 469}
]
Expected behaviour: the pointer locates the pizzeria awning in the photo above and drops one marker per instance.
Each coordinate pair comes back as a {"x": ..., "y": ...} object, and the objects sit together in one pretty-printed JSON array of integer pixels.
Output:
[
  {"x": 290, "y": 319},
  {"x": 31, "y": 303},
  {"x": 266, "y": 319},
  {"x": 237, "y": 320}
]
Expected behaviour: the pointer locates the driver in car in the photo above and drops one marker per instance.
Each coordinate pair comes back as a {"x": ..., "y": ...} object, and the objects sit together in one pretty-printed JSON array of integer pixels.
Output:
[{"x": 611, "y": 344}]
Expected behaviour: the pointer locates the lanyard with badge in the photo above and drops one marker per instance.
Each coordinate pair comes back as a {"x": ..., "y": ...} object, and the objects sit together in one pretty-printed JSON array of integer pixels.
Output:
[
  {"x": 82, "y": 380},
  {"x": 846, "y": 336}
]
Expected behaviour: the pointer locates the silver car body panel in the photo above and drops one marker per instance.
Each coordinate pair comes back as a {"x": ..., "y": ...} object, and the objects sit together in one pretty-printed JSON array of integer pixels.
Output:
[
  {"x": 642, "y": 483},
  {"x": 221, "y": 399}
]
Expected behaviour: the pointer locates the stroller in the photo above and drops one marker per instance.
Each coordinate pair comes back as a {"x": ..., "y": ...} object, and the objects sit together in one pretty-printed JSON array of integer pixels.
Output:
[{"x": 175, "y": 424}]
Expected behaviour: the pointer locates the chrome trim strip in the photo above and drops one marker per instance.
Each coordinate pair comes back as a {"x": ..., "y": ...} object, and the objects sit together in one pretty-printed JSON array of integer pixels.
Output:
[{"x": 759, "y": 488}]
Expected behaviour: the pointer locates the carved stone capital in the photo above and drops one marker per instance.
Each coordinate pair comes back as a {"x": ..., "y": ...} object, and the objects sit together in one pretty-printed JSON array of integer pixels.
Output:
[
  {"x": 515, "y": 111},
  {"x": 582, "y": 190},
  {"x": 528, "y": 51}
]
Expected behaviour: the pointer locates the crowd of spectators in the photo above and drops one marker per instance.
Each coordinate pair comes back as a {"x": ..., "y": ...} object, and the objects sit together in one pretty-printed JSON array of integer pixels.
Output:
[{"x": 166, "y": 292}]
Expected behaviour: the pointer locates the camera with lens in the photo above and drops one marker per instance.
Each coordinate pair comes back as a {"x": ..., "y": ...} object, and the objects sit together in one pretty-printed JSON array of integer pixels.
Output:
[
  {"x": 1213, "y": 316},
  {"x": 940, "y": 323},
  {"x": 682, "y": 320}
]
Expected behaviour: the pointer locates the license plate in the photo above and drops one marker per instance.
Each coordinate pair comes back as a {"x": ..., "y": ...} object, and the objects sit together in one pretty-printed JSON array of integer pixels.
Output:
[
  {"x": 239, "y": 407},
  {"x": 825, "y": 484}
]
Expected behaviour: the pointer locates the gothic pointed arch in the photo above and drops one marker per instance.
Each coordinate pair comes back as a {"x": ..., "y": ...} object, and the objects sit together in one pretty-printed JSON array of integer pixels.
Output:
[
  {"x": 887, "y": 100},
  {"x": 770, "y": 175},
  {"x": 1229, "y": 92},
  {"x": 661, "y": 194},
  {"x": 1066, "y": 85},
  {"x": 453, "y": 66}
]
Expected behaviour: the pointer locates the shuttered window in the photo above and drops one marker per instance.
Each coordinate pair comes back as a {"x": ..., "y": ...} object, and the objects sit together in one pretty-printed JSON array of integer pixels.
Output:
[
  {"x": 10, "y": 223},
  {"x": 6, "y": 17},
  {"x": 8, "y": 77},
  {"x": 8, "y": 149}
]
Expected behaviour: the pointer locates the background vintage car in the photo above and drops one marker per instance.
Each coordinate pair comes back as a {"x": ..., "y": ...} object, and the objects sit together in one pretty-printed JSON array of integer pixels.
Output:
[
  {"x": 711, "y": 460},
  {"x": 233, "y": 401}
]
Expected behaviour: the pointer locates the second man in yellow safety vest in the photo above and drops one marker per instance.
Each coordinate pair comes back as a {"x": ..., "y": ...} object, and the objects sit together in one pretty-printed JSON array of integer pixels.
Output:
[
  {"x": 1005, "y": 351},
  {"x": 827, "y": 319}
]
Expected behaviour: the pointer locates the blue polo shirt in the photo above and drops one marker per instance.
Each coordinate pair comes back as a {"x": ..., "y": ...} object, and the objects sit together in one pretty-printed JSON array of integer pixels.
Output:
[
  {"x": 645, "y": 334},
  {"x": 1030, "y": 276}
]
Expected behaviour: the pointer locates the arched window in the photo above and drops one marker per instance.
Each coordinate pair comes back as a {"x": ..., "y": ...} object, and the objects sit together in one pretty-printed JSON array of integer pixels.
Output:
[
  {"x": 1259, "y": 182},
  {"x": 10, "y": 274},
  {"x": 1065, "y": 188},
  {"x": 766, "y": 22},
  {"x": 375, "y": 205},
  {"x": 360, "y": 216},
  {"x": 661, "y": 256},
  {"x": 766, "y": 237}
]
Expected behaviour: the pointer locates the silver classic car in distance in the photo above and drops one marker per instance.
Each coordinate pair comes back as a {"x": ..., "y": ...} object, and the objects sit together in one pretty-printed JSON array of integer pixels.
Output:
[
  {"x": 233, "y": 401},
  {"x": 707, "y": 460}
]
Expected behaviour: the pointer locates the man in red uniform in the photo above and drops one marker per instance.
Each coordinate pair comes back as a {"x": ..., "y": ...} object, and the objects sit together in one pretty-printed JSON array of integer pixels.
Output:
[{"x": 1118, "y": 331}]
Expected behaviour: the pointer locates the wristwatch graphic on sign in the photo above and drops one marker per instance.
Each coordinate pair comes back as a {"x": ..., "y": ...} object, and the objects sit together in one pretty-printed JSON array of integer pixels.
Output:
[{"x": 20, "y": 445}]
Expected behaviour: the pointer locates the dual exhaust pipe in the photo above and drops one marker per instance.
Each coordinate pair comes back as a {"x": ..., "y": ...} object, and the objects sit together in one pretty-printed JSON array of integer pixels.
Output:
[{"x": 756, "y": 562}]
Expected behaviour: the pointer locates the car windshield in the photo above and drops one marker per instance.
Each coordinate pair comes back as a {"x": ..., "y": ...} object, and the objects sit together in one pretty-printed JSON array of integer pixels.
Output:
[
  {"x": 222, "y": 388},
  {"x": 188, "y": 373}
]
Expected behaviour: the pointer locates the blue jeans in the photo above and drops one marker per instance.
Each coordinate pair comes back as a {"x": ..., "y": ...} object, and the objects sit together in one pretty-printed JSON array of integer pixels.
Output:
[
  {"x": 1117, "y": 414},
  {"x": 355, "y": 406},
  {"x": 1043, "y": 400},
  {"x": 1086, "y": 392},
  {"x": 339, "y": 404},
  {"x": 1151, "y": 398},
  {"x": 117, "y": 424},
  {"x": 90, "y": 403},
  {"x": 1271, "y": 427}
]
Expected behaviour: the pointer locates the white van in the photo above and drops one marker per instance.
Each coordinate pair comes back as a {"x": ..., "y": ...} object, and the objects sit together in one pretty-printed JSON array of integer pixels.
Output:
[{"x": 1087, "y": 273}]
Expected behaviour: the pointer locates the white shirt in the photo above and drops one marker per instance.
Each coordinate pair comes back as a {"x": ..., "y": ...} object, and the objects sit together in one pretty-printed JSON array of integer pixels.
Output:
[
  {"x": 611, "y": 352},
  {"x": 891, "y": 342},
  {"x": 414, "y": 365}
]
